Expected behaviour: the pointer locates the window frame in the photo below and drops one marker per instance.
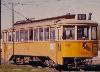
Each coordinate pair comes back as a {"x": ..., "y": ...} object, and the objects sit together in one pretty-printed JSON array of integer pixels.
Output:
[
  {"x": 2, "y": 37},
  {"x": 41, "y": 36},
  {"x": 14, "y": 35},
  {"x": 10, "y": 36},
  {"x": 73, "y": 35},
  {"x": 18, "y": 37},
  {"x": 54, "y": 35},
  {"x": 36, "y": 38},
  {"x": 29, "y": 34},
  {"x": 26, "y": 35},
  {"x": 48, "y": 38},
  {"x": 22, "y": 35}
]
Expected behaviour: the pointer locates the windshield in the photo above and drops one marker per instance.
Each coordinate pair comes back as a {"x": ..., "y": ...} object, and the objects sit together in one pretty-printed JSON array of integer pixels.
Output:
[
  {"x": 83, "y": 32},
  {"x": 68, "y": 32}
]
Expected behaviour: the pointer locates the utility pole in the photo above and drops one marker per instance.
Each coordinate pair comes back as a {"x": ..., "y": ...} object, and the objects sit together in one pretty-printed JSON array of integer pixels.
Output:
[
  {"x": 13, "y": 29},
  {"x": 0, "y": 43},
  {"x": 13, "y": 15},
  {"x": 0, "y": 47},
  {"x": 13, "y": 26}
]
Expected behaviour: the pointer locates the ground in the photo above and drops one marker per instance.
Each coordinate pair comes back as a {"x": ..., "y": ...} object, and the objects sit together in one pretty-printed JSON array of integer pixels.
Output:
[
  {"x": 24, "y": 68},
  {"x": 30, "y": 68}
]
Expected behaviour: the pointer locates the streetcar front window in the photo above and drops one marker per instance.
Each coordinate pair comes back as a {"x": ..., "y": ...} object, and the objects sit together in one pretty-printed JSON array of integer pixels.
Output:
[
  {"x": 83, "y": 32},
  {"x": 68, "y": 32},
  {"x": 93, "y": 33}
]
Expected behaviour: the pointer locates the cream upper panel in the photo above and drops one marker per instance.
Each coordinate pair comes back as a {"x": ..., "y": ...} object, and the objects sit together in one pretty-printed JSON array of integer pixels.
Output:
[
  {"x": 77, "y": 22},
  {"x": 35, "y": 24}
]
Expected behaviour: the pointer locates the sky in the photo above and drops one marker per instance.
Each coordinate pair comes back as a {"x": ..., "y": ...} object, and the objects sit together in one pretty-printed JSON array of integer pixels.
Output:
[{"x": 40, "y": 9}]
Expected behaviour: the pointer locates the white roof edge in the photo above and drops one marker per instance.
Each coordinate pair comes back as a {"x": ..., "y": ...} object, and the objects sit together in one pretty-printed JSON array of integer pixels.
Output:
[{"x": 77, "y": 21}]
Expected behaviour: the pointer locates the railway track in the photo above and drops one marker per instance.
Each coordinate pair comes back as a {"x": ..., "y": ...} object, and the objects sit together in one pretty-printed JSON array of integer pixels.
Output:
[
  {"x": 65, "y": 69},
  {"x": 86, "y": 68}
]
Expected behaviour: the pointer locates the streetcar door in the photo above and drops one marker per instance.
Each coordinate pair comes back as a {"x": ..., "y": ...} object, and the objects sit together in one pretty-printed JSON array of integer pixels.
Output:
[
  {"x": 58, "y": 45},
  {"x": 52, "y": 43},
  {"x": 4, "y": 46}
]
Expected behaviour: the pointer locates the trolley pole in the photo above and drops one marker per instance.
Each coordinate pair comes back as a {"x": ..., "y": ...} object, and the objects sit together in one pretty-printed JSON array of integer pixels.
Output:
[{"x": 13, "y": 26}]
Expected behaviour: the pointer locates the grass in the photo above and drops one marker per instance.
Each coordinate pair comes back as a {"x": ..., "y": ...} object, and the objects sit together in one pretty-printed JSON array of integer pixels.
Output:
[
  {"x": 14, "y": 68},
  {"x": 23, "y": 68}
]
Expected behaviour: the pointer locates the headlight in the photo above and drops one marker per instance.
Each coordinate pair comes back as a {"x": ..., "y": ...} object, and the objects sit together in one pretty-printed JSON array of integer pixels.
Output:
[{"x": 84, "y": 45}]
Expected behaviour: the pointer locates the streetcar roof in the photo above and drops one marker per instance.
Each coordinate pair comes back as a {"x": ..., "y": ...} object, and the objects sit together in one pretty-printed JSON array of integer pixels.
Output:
[{"x": 72, "y": 16}]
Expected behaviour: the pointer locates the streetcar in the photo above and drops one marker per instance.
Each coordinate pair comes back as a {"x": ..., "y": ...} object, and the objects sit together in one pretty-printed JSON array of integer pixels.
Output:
[{"x": 67, "y": 40}]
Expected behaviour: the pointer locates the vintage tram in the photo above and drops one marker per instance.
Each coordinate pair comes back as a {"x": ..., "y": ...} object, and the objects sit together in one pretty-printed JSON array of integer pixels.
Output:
[{"x": 63, "y": 40}]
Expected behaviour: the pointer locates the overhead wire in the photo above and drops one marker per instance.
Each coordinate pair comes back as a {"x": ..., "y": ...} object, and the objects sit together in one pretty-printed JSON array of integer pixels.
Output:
[
  {"x": 15, "y": 11},
  {"x": 28, "y": 3}
]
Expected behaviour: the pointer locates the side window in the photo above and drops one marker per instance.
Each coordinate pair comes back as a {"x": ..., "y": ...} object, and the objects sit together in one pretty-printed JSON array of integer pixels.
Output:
[
  {"x": 40, "y": 34},
  {"x": 68, "y": 32},
  {"x": 30, "y": 34},
  {"x": 17, "y": 36},
  {"x": 2, "y": 36},
  {"x": 46, "y": 33},
  {"x": 35, "y": 34},
  {"x": 9, "y": 36},
  {"x": 26, "y": 35},
  {"x": 22, "y": 37},
  {"x": 94, "y": 33},
  {"x": 13, "y": 36},
  {"x": 52, "y": 33}
]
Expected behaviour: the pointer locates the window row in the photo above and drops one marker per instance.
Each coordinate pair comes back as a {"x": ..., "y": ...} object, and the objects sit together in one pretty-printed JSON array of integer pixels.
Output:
[
  {"x": 50, "y": 33},
  {"x": 38, "y": 34}
]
